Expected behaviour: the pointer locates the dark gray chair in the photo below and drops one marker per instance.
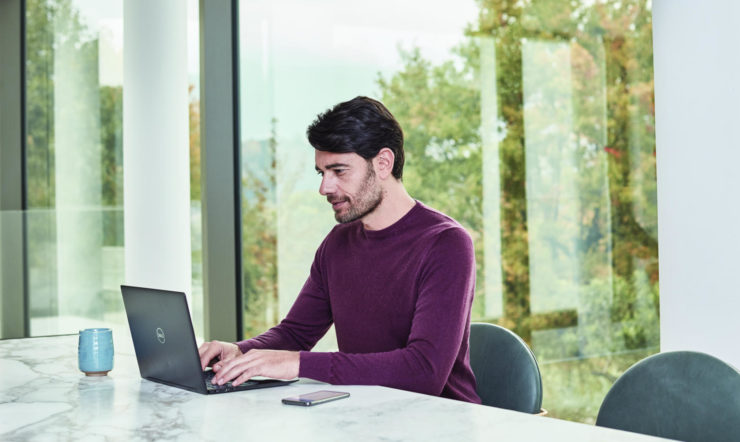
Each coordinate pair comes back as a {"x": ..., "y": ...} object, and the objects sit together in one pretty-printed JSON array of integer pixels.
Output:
[
  {"x": 506, "y": 371},
  {"x": 681, "y": 395}
]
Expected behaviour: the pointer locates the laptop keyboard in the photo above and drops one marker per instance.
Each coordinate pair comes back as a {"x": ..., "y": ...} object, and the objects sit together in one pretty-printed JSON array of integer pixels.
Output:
[{"x": 209, "y": 375}]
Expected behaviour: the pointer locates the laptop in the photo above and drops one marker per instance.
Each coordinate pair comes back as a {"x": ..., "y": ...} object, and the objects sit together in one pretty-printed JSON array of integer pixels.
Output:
[{"x": 165, "y": 343}]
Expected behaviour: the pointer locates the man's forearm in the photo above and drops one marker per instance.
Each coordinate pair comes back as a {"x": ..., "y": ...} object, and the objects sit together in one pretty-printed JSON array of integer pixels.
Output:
[{"x": 406, "y": 369}]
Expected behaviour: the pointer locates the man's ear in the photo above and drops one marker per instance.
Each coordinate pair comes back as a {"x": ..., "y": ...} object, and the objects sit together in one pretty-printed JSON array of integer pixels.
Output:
[{"x": 383, "y": 162}]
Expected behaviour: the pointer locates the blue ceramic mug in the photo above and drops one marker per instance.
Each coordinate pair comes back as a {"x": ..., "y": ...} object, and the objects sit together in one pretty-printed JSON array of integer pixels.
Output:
[{"x": 95, "y": 351}]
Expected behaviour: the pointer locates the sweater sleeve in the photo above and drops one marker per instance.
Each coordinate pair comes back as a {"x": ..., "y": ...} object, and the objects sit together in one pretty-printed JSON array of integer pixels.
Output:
[
  {"x": 307, "y": 321},
  {"x": 441, "y": 314}
]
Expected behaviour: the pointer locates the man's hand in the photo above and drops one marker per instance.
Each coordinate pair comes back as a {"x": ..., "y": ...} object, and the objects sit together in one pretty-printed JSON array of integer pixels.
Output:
[
  {"x": 277, "y": 364},
  {"x": 224, "y": 351}
]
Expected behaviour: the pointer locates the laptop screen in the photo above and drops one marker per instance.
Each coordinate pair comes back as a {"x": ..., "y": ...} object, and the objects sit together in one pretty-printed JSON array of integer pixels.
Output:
[{"x": 163, "y": 337}]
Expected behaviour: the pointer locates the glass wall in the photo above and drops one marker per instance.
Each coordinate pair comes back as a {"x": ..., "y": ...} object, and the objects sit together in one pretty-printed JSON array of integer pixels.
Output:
[
  {"x": 530, "y": 122},
  {"x": 74, "y": 164}
]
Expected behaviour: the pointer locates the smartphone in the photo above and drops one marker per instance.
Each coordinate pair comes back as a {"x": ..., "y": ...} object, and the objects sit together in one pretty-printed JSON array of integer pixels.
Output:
[{"x": 315, "y": 398}]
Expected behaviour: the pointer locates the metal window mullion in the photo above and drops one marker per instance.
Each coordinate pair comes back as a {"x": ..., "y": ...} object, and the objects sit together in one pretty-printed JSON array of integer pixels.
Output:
[
  {"x": 13, "y": 274},
  {"x": 220, "y": 179}
]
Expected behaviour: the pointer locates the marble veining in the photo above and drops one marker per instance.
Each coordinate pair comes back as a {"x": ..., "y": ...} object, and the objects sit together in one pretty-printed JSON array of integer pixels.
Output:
[{"x": 43, "y": 396}]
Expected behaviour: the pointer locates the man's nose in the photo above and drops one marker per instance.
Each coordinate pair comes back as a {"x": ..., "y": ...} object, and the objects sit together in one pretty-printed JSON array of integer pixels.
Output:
[{"x": 327, "y": 185}]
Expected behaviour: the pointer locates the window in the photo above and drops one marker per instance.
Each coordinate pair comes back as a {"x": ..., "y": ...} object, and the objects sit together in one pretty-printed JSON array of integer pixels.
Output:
[
  {"x": 531, "y": 123},
  {"x": 74, "y": 164}
]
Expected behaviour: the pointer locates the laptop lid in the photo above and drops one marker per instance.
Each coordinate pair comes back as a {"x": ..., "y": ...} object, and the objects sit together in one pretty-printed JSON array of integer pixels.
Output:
[{"x": 163, "y": 337}]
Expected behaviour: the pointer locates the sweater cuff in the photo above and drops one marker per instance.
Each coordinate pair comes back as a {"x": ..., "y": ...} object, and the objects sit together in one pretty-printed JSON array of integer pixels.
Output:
[
  {"x": 315, "y": 365},
  {"x": 245, "y": 345}
]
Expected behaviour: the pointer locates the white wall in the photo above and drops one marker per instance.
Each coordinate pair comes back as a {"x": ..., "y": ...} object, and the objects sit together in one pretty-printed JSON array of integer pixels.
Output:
[{"x": 697, "y": 96}]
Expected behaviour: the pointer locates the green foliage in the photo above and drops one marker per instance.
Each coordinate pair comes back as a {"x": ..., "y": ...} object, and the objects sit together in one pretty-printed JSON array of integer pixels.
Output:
[
  {"x": 39, "y": 104},
  {"x": 573, "y": 389}
]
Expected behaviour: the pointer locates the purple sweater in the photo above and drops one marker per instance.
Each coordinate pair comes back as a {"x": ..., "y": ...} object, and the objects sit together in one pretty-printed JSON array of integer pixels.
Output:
[{"x": 400, "y": 300}]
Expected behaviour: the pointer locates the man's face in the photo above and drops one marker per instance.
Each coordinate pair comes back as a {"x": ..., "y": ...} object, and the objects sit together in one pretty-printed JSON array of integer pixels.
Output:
[{"x": 348, "y": 181}]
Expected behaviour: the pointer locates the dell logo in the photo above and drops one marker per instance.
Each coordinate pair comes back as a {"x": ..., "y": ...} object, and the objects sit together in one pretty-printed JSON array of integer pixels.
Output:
[{"x": 160, "y": 335}]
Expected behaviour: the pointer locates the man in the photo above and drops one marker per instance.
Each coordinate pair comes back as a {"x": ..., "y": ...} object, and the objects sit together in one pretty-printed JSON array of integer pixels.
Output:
[{"x": 395, "y": 277}]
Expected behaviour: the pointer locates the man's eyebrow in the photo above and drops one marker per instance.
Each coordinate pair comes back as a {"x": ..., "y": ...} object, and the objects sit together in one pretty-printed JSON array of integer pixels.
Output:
[{"x": 332, "y": 166}]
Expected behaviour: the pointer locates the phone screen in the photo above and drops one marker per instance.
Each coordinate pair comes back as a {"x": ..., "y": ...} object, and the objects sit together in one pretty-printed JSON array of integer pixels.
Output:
[{"x": 317, "y": 397}]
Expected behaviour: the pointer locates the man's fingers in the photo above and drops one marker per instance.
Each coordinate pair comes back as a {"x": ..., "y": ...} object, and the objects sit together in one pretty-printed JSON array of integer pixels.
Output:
[
  {"x": 244, "y": 377},
  {"x": 208, "y": 352},
  {"x": 271, "y": 363},
  {"x": 245, "y": 371},
  {"x": 231, "y": 369},
  {"x": 206, "y": 357},
  {"x": 237, "y": 367},
  {"x": 203, "y": 348},
  {"x": 203, "y": 352}
]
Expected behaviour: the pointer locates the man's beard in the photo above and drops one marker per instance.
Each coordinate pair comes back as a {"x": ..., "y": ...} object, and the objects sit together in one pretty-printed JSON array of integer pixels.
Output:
[{"x": 368, "y": 199}]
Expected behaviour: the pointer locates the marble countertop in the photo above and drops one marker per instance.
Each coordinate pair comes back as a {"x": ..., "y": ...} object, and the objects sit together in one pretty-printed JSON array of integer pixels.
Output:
[{"x": 43, "y": 396}]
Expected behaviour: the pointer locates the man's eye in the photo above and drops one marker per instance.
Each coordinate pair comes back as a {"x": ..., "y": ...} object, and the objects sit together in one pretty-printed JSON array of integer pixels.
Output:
[
  {"x": 319, "y": 173},
  {"x": 339, "y": 171}
]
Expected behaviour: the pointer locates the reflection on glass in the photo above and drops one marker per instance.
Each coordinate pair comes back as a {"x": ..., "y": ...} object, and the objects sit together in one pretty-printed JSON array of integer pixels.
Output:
[
  {"x": 531, "y": 123},
  {"x": 74, "y": 224}
]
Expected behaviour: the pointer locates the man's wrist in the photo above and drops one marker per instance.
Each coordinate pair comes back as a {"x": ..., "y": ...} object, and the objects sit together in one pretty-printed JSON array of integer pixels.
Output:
[{"x": 315, "y": 365}]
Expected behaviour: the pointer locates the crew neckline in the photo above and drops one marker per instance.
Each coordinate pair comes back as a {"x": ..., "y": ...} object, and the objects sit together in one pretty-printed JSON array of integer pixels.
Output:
[{"x": 393, "y": 228}]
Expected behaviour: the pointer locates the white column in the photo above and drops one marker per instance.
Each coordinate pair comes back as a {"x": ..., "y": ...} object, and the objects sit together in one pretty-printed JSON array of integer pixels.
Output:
[
  {"x": 155, "y": 145},
  {"x": 697, "y": 66}
]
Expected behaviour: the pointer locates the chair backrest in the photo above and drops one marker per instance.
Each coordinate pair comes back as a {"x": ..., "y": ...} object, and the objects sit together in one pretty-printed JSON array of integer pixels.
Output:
[
  {"x": 506, "y": 371},
  {"x": 681, "y": 395}
]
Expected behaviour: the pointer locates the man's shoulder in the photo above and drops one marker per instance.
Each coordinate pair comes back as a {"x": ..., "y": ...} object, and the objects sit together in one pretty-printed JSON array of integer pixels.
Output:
[
  {"x": 446, "y": 241},
  {"x": 441, "y": 233},
  {"x": 440, "y": 223}
]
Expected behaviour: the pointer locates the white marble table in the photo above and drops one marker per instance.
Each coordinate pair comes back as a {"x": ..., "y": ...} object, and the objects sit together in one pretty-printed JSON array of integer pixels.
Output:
[{"x": 43, "y": 396}]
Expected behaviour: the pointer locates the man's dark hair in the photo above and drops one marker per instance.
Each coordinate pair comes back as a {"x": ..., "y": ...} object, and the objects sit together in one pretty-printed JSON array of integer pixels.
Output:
[{"x": 361, "y": 125}]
